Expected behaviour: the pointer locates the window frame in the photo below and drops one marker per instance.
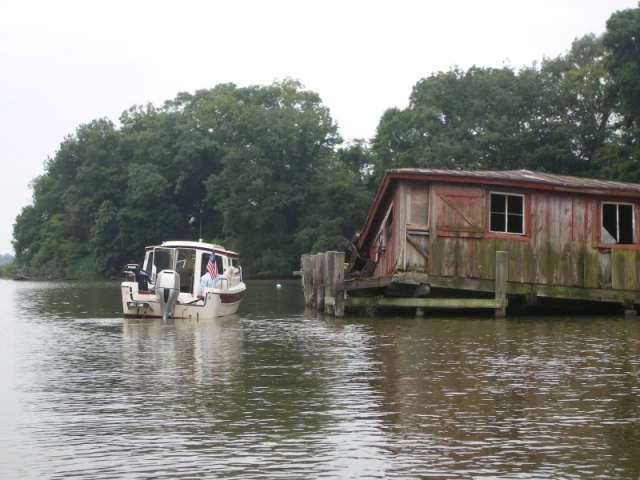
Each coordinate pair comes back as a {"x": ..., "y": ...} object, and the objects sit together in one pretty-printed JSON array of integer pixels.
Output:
[
  {"x": 522, "y": 215},
  {"x": 384, "y": 235},
  {"x": 629, "y": 228}
]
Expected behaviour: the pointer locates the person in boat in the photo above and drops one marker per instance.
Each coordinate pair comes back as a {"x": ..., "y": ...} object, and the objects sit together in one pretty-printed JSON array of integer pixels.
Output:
[
  {"x": 207, "y": 282},
  {"x": 211, "y": 278},
  {"x": 141, "y": 277}
]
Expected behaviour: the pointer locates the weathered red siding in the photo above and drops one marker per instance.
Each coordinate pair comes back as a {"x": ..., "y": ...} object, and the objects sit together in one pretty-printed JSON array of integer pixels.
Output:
[{"x": 440, "y": 226}]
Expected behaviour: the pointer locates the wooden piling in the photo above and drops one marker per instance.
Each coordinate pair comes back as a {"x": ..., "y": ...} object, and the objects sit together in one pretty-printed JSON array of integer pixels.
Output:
[
  {"x": 321, "y": 275},
  {"x": 334, "y": 275},
  {"x": 307, "y": 278},
  {"x": 313, "y": 293},
  {"x": 329, "y": 296},
  {"x": 338, "y": 279},
  {"x": 501, "y": 282},
  {"x": 338, "y": 309}
]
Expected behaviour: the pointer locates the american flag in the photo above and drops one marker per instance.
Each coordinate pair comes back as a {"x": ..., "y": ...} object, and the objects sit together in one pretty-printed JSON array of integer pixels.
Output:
[{"x": 212, "y": 268}]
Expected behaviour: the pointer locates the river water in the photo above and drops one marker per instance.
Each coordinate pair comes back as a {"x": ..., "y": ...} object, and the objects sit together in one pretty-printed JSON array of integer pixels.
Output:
[{"x": 280, "y": 392}]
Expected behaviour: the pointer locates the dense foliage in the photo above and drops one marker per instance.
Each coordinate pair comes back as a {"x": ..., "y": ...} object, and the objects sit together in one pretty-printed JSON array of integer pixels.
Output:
[
  {"x": 263, "y": 169},
  {"x": 577, "y": 114},
  {"x": 249, "y": 168}
]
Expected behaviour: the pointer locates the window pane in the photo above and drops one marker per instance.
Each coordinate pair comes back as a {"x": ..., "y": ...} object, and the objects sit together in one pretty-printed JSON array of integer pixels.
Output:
[
  {"x": 498, "y": 222},
  {"x": 516, "y": 204},
  {"x": 625, "y": 224},
  {"x": 498, "y": 203},
  {"x": 163, "y": 259},
  {"x": 515, "y": 224},
  {"x": 204, "y": 259},
  {"x": 610, "y": 220}
]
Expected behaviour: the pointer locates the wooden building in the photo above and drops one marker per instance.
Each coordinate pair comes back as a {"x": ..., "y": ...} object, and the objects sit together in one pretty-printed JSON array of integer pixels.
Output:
[{"x": 432, "y": 237}]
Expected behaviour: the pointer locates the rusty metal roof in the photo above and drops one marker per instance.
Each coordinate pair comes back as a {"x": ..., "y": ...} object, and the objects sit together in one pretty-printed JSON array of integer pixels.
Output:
[{"x": 523, "y": 178}]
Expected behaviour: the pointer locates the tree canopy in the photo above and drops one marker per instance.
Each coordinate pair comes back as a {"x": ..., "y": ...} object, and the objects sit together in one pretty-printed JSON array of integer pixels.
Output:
[
  {"x": 242, "y": 167},
  {"x": 553, "y": 118}
]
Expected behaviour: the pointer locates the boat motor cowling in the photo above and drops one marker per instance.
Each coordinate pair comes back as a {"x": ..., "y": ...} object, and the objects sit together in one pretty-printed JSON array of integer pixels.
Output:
[{"x": 167, "y": 290}]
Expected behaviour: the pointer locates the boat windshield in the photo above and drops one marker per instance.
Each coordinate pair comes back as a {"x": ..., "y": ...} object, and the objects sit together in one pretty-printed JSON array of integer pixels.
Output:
[{"x": 163, "y": 259}]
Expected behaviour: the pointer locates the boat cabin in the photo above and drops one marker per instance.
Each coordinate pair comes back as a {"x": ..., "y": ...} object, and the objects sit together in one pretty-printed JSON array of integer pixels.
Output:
[{"x": 188, "y": 259}]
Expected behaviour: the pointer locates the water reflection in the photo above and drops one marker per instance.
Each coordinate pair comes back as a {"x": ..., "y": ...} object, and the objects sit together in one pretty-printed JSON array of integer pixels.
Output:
[
  {"x": 280, "y": 392},
  {"x": 509, "y": 397}
]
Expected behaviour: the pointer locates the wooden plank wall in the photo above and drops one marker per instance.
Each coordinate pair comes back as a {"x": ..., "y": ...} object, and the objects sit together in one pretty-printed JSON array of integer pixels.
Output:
[
  {"x": 413, "y": 253},
  {"x": 560, "y": 246},
  {"x": 457, "y": 241},
  {"x": 539, "y": 233},
  {"x": 625, "y": 266}
]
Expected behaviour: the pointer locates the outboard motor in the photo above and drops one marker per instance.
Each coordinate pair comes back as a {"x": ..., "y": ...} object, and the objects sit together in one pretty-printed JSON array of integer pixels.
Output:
[{"x": 167, "y": 290}]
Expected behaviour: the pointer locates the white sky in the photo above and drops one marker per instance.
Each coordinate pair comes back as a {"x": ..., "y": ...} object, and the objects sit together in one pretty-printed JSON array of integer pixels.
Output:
[{"x": 64, "y": 63}]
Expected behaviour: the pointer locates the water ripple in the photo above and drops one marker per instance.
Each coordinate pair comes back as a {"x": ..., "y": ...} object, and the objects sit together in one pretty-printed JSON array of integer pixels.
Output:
[{"x": 88, "y": 395}]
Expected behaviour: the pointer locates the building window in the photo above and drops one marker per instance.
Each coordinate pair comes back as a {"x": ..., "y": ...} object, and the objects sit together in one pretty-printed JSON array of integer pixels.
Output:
[
  {"x": 389, "y": 227},
  {"x": 507, "y": 213},
  {"x": 617, "y": 223},
  {"x": 380, "y": 245},
  {"x": 384, "y": 234}
]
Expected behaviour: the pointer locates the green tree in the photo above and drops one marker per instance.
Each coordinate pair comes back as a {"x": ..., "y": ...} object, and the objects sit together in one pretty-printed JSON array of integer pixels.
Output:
[
  {"x": 239, "y": 165},
  {"x": 620, "y": 160},
  {"x": 341, "y": 201},
  {"x": 574, "y": 118},
  {"x": 276, "y": 139},
  {"x": 558, "y": 118},
  {"x": 456, "y": 119},
  {"x": 106, "y": 240},
  {"x": 175, "y": 139},
  {"x": 82, "y": 174},
  {"x": 26, "y": 234},
  {"x": 149, "y": 214},
  {"x": 622, "y": 41}
]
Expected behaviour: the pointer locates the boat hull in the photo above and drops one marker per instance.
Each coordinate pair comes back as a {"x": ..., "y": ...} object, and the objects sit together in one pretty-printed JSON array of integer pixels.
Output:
[{"x": 215, "y": 303}]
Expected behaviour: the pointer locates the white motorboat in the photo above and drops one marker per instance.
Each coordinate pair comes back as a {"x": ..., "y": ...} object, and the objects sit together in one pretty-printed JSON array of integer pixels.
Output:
[{"x": 183, "y": 279}]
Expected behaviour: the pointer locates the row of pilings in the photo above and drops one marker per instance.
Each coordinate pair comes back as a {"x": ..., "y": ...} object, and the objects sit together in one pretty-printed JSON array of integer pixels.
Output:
[
  {"x": 321, "y": 274},
  {"x": 325, "y": 289}
]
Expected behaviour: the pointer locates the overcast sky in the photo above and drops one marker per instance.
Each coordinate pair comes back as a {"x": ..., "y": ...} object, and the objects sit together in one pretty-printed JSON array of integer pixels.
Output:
[{"x": 65, "y": 63}]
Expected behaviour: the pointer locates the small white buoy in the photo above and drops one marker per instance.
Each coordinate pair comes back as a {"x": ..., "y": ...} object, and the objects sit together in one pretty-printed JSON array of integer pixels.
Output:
[{"x": 278, "y": 286}]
